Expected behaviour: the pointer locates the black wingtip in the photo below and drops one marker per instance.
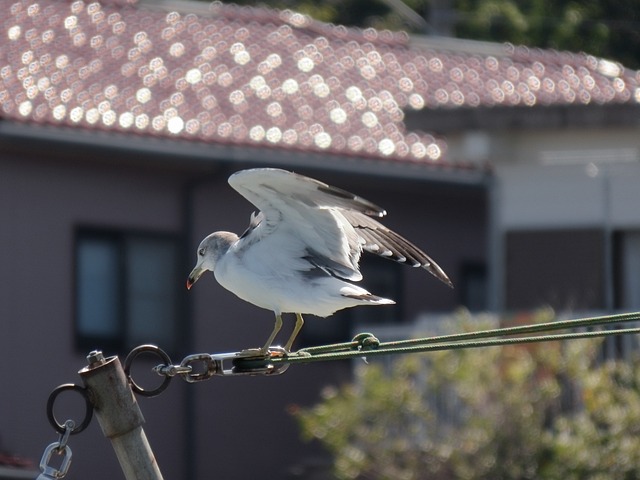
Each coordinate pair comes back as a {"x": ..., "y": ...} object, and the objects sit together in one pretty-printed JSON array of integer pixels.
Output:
[
  {"x": 444, "y": 279},
  {"x": 435, "y": 270}
]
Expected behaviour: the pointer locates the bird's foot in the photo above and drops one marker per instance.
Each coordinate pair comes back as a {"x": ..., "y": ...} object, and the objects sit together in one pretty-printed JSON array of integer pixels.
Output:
[
  {"x": 253, "y": 352},
  {"x": 300, "y": 353},
  {"x": 262, "y": 352}
]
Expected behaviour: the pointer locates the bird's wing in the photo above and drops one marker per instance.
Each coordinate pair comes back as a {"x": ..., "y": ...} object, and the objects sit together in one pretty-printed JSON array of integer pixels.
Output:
[
  {"x": 386, "y": 243},
  {"x": 307, "y": 212}
]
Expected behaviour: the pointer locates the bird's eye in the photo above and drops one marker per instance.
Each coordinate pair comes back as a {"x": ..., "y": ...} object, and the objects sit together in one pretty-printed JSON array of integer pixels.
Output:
[{"x": 201, "y": 252}]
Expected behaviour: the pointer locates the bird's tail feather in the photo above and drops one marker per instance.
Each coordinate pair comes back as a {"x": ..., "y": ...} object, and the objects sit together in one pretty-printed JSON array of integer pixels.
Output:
[{"x": 365, "y": 297}]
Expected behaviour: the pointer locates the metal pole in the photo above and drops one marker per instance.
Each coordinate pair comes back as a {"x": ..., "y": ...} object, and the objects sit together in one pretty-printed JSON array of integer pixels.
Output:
[{"x": 119, "y": 416}]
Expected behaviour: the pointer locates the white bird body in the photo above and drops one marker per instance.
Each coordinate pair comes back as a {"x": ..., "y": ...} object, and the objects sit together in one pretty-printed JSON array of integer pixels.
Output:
[
  {"x": 302, "y": 250},
  {"x": 287, "y": 290}
]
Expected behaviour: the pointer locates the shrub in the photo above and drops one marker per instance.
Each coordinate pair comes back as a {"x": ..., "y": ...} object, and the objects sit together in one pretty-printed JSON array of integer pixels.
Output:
[{"x": 544, "y": 410}]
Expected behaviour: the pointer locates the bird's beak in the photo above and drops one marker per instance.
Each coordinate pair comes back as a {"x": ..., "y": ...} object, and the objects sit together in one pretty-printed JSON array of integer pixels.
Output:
[{"x": 195, "y": 274}]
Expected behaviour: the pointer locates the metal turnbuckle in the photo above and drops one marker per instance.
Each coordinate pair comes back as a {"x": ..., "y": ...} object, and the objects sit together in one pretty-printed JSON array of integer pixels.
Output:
[
  {"x": 247, "y": 362},
  {"x": 203, "y": 366}
]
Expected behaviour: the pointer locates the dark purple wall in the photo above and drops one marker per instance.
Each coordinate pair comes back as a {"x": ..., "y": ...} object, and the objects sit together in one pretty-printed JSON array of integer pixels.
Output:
[{"x": 242, "y": 428}]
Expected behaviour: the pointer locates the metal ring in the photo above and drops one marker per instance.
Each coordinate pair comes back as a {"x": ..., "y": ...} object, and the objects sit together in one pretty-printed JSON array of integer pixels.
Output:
[
  {"x": 57, "y": 426},
  {"x": 129, "y": 361}
]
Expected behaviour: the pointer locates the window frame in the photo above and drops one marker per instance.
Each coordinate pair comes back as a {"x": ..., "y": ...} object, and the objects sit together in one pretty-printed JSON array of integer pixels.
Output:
[{"x": 121, "y": 342}]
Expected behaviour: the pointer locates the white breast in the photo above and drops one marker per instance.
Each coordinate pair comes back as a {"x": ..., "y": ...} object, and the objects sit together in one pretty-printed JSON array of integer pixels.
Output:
[{"x": 274, "y": 283}]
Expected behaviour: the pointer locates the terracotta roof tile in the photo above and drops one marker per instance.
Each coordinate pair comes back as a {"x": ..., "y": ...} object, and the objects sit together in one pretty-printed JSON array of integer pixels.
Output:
[{"x": 257, "y": 77}]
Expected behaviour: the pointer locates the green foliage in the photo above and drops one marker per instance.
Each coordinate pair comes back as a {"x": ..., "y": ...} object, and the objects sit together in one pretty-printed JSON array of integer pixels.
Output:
[
  {"x": 517, "y": 412},
  {"x": 603, "y": 440},
  {"x": 605, "y": 28}
]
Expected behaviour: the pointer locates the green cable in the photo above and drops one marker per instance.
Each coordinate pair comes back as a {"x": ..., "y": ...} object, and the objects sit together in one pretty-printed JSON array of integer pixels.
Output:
[
  {"x": 366, "y": 345},
  {"x": 432, "y": 347},
  {"x": 496, "y": 332}
]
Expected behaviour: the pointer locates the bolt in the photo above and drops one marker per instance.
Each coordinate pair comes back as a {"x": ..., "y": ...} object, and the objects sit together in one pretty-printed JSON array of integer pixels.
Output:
[{"x": 95, "y": 358}]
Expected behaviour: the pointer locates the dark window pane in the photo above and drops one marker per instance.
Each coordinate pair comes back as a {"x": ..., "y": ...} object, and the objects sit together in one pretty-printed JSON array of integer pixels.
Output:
[
  {"x": 127, "y": 290},
  {"x": 383, "y": 278},
  {"x": 98, "y": 289},
  {"x": 560, "y": 268},
  {"x": 473, "y": 287},
  {"x": 628, "y": 256},
  {"x": 151, "y": 290}
]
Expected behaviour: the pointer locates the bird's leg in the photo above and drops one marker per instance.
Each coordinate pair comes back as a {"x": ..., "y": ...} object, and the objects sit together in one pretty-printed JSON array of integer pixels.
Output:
[
  {"x": 276, "y": 328},
  {"x": 294, "y": 334}
]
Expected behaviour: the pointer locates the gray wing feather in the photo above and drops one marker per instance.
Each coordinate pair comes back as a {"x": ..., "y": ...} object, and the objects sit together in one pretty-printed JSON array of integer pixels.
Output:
[
  {"x": 307, "y": 210},
  {"x": 305, "y": 190},
  {"x": 335, "y": 225},
  {"x": 386, "y": 243},
  {"x": 254, "y": 221}
]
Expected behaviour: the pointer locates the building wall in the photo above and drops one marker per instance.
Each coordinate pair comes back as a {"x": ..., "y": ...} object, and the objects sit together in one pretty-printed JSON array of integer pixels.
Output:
[
  {"x": 570, "y": 177},
  {"x": 573, "y": 186},
  {"x": 41, "y": 202},
  {"x": 228, "y": 427}
]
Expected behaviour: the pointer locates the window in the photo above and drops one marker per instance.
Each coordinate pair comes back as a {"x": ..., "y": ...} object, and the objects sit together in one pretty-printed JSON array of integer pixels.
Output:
[
  {"x": 473, "y": 286},
  {"x": 127, "y": 290},
  {"x": 627, "y": 255},
  {"x": 383, "y": 278},
  {"x": 560, "y": 268}
]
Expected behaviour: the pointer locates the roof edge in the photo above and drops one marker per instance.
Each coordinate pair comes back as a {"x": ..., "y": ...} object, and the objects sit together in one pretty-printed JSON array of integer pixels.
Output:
[
  {"x": 445, "y": 121},
  {"x": 460, "y": 45},
  {"x": 197, "y": 156}
]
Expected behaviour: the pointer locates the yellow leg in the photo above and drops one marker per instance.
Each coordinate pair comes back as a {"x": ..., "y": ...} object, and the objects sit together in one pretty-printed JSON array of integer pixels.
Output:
[
  {"x": 276, "y": 328},
  {"x": 296, "y": 330}
]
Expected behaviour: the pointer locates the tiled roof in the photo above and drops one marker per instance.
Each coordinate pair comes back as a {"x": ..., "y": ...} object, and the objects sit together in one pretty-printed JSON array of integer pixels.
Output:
[{"x": 256, "y": 77}]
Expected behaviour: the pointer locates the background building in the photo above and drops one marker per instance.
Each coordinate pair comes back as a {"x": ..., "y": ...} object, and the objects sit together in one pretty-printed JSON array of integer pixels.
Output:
[{"x": 120, "y": 125}]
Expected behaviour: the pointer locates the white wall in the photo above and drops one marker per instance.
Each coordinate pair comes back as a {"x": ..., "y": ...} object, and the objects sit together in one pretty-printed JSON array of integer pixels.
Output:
[{"x": 561, "y": 178}]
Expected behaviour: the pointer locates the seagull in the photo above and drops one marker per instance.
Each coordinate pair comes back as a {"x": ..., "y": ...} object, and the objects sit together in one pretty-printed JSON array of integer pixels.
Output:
[{"x": 302, "y": 250}]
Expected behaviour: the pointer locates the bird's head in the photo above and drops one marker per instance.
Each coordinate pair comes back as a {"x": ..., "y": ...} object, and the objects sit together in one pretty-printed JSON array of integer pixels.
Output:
[{"x": 210, "y": 250}]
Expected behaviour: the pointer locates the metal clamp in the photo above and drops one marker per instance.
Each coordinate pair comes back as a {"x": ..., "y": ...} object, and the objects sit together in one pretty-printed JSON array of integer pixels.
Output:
[
  {"x": 249, "y": 363},
  {"x": 197, "y": 367},
  {"x": 365, "y": 341},
  {"x": 59, "y": 448},
  {"x": 48, "y": 471}
]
